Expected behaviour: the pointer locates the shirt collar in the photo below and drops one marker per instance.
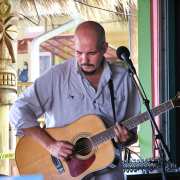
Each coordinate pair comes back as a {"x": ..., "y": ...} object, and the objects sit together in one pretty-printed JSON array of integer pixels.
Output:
[
  {"x": 107, "y": 69},
  {"x": 75, "y": 67},
  {"x": 107, "y": 73}
]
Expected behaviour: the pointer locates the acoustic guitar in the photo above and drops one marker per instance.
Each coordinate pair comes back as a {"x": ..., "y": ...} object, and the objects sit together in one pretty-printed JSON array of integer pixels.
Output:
[{"x": 93, "y": 146}]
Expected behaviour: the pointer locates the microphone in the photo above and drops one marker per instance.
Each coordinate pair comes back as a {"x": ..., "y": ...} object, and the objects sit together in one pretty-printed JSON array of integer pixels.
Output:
[{"x": 123, "y": 54}]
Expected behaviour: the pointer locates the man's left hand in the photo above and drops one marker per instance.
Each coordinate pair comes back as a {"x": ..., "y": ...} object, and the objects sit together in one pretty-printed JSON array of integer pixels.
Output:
[{"x": 122, "y": 134}]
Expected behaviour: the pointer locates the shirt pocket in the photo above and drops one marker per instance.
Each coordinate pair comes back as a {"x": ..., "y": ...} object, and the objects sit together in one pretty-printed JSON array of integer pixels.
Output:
[{"x": 72, "y": 106}]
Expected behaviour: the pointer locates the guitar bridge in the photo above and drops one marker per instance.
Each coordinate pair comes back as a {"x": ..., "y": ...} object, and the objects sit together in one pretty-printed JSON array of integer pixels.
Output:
[{"x": 58, "y": 164}]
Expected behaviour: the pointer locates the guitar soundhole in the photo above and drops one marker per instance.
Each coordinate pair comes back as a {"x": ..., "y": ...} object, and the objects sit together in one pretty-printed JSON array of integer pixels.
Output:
[{"x": 83, "y": 146}]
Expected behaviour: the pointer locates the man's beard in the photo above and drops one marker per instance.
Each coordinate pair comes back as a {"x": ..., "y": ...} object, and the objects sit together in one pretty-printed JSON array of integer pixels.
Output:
[{"x": 86, "y": 72}]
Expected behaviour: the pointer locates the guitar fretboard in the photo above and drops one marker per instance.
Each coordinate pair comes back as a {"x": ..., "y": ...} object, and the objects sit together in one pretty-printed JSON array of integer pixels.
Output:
[
  {"x": 130, "y": 123},
  {"x": 133, "y": 122}
]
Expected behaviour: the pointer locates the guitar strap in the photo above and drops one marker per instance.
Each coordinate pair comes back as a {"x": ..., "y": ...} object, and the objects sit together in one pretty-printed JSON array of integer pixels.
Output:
[
  {"x": 112, "y": 95},
  {"x": 112, "y": 98},
  {"x": 113, "y": 106},
  {"x": 116, "y": 161}
]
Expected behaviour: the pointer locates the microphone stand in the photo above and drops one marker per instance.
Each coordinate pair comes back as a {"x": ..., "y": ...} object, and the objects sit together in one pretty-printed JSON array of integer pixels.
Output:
[{"x": 164, "y": 149}]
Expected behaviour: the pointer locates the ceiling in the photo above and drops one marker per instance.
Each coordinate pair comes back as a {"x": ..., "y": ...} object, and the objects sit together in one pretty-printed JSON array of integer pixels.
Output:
[{"x": 97, "y": 10}]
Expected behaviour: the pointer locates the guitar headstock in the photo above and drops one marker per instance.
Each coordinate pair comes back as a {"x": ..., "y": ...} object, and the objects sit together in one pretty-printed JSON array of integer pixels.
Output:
[{"x": 176, "y": 100}]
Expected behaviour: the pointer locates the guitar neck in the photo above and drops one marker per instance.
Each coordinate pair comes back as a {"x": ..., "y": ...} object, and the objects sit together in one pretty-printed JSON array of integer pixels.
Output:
[{"x": 131, "y": 123}]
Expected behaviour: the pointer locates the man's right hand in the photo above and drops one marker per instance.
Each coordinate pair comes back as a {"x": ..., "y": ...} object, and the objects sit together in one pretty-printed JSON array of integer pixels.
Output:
[{"x": 61, "y": 149}]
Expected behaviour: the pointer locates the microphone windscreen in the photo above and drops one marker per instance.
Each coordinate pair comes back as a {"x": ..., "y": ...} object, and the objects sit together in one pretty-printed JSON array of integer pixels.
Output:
[{"x": 121, "y": 50}]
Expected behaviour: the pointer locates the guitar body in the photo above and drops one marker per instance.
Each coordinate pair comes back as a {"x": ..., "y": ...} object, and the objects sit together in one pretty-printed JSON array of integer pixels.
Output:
[{"x": 32, "y": 158}]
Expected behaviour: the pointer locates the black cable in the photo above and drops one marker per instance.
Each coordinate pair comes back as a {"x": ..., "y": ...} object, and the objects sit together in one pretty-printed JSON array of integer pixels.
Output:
[
  {"x": 125, "y": 154},
  {"x": 28, "y": 19},
  {"x": 104, "y": 9},
  {"x": 132, "y": 151},
  {"x": 129, "y": 155},
  {"x": 36, "y": 12}
]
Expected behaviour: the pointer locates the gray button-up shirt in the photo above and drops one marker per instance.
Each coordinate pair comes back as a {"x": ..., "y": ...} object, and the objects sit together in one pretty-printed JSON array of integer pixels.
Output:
[{"x": 64, "y": 95}]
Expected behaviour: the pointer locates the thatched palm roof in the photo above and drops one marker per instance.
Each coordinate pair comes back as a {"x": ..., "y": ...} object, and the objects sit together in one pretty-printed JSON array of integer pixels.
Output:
[{"x": 97, "y": 10}]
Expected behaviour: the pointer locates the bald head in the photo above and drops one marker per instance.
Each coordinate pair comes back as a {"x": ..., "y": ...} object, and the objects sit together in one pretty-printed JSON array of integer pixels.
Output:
[
  {"x": 91, "y": 29},
  {"x": 90, "y": 47}
]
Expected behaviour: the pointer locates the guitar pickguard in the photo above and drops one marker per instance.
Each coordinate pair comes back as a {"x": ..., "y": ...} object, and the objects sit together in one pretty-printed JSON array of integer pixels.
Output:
[{"x": 78, "y": 166}]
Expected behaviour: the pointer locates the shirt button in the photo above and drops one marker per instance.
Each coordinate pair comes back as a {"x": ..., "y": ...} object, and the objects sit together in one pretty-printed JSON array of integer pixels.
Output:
[{"x": 94, "y": 101}]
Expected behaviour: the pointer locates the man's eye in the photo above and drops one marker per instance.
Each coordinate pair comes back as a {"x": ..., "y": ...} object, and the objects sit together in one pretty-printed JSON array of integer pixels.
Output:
[{"x": 92, "y": 53}]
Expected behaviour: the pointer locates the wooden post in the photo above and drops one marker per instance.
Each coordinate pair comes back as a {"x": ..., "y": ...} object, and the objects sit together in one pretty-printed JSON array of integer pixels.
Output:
[
  {"x": 133, "y": 35},
  {"x": 4, "y": 139},
  {"x": 9, "y": 17}
]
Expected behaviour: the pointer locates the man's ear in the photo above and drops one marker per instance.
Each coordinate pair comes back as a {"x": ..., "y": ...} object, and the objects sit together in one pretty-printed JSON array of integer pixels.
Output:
[{"x": 105, "y": 47}]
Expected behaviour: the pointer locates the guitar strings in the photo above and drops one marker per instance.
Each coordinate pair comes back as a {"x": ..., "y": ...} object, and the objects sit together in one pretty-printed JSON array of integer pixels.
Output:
[
  {"x": 97, "y": 137},
  {"x": 125, "y": 123},
  {"x": 89, "y": 143},
  {"x": 81, "y": 143},
  {"x": 86, "y": 148}
]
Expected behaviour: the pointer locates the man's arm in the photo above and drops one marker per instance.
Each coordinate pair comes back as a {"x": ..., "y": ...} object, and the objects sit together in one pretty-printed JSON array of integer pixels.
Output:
[{"x": 60, "y": 149}]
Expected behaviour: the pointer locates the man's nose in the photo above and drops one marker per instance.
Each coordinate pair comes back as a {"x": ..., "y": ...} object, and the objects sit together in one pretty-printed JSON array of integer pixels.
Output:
[{"x": 85, "y": 58}]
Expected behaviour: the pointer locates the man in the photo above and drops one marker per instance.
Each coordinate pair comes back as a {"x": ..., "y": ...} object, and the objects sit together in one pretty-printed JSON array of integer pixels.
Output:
[{"x": 75, "y": 88}]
